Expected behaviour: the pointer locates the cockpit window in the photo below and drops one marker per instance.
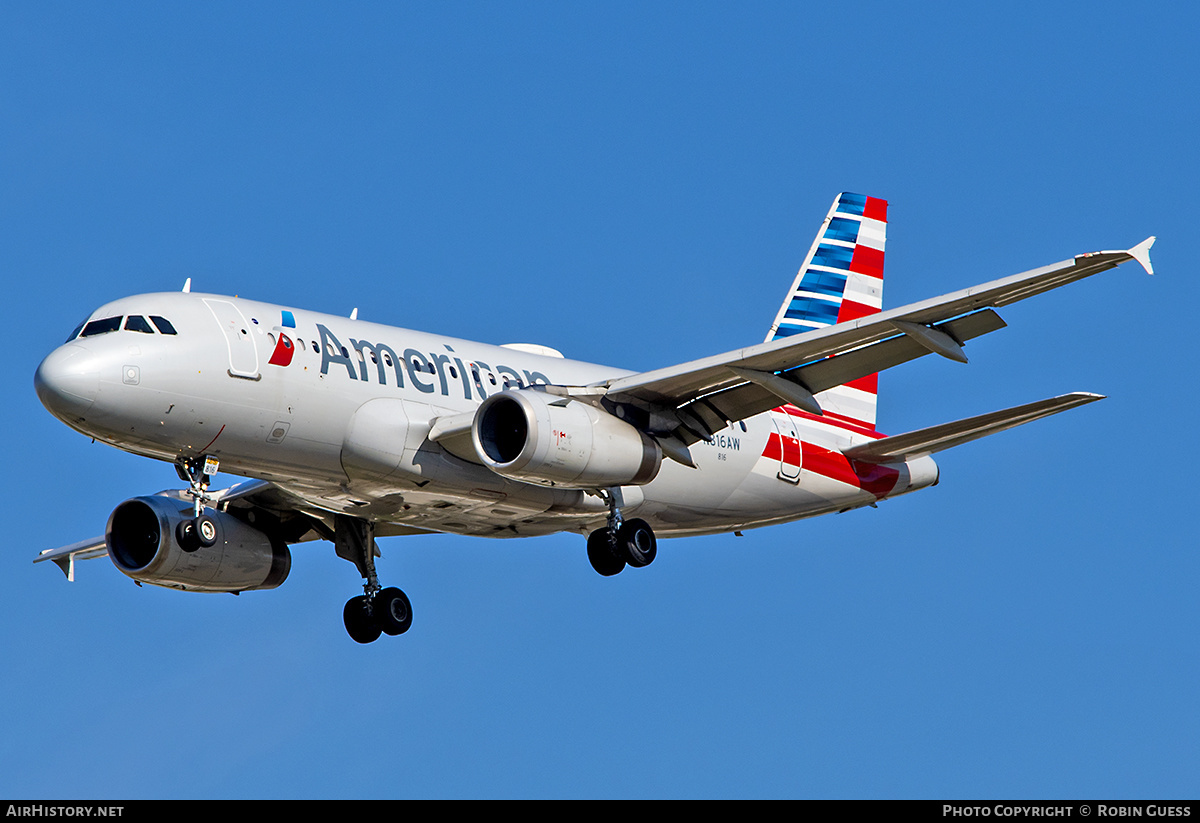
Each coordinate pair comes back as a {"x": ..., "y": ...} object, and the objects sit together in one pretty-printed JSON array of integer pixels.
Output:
[
  {"x": 135, "y": 322},
  {"x": 162, "y": 324},
  {"x": 75, "y": 333},
  {"x": 101, "y": 326}
]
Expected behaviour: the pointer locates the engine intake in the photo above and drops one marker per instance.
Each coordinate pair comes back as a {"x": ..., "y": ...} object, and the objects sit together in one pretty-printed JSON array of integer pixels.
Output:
[
  {"x": 143, "y": 543},
  {"x": 542, "y": 438}
]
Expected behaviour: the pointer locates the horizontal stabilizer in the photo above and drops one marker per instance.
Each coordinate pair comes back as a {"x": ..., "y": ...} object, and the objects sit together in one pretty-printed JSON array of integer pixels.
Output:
[{"x": 936, "y": 438}]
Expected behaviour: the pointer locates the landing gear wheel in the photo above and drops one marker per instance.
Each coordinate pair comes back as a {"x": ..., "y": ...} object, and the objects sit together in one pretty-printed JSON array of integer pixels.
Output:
[
  {"x": 393, "y": 611},
  {"x": 206, "y": 531},
  {"x": 635, "y": 540},
  {"x": 361, "y": 624},
  {"x": 185, "y": 535},
  {"x": 600, "y": 553}
]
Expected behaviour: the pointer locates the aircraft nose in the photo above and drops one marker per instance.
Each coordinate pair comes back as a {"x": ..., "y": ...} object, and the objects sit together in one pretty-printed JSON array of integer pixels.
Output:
[{"x": 68, "y": 381}]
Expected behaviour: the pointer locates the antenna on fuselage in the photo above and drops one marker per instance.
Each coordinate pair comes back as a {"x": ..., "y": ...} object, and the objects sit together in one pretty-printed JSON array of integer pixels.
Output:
[
  {"x": 187, "y": 285},
  {"x": 354, "y": 314}
]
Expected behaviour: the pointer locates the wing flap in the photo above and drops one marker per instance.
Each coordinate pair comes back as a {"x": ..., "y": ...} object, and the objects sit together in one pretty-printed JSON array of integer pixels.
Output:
[
  {"x": 748, "y": 399},
  {"x": 947, "y": 435}
]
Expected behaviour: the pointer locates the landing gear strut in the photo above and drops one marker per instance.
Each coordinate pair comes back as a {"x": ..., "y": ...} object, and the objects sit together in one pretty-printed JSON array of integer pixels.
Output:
[
  {"x": 377, "y": 611},
  {"x": 622, "y": 542},
  {"x": 201, "y": 530}
]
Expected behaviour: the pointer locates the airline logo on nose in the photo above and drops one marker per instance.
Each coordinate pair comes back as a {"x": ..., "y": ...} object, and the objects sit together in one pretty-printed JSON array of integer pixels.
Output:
[{"x": 284, "y": 348}]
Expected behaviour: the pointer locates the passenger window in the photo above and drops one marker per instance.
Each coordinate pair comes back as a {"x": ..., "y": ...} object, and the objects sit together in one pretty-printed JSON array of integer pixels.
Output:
[
  {"x": 101, "y": 326},
  {"x": 135, "y": 322},
  {"x": 162, "y": 324}
]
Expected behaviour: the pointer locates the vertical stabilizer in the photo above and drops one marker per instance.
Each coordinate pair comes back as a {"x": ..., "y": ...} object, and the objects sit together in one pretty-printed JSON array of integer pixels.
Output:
[{"x": 841, "y": 279}]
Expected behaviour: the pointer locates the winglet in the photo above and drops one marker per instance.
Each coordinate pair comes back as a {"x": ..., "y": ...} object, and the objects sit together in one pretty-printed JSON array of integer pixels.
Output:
[{"x": 1141, "y": 253}]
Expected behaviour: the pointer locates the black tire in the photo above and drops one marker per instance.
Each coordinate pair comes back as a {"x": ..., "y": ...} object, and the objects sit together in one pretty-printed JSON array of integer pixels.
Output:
[
  {"x": 206, "y": 531},
  {"x": 361, "y": 624},
  {"x": 185, "y": 536},
  {"x": 393, "y": 611},
  {"x": 600, "y": 554},
  {"x": 636, "y": 542}
]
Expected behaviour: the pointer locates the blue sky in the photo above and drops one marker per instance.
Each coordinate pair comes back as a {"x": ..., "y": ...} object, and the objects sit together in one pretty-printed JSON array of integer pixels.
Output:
[{"x": 634, "y": 184}]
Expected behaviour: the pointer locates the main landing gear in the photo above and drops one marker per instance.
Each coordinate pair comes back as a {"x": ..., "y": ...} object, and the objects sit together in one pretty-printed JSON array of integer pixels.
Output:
[
  {"x": 201, "y": 530},
  {"x": 622, "y": 542},
  {"x": 378, "y": 610}
]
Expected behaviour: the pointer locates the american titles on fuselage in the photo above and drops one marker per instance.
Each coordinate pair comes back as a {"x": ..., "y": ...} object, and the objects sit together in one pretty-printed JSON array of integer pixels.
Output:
[
  {"x": 428, "y": 373},
  {"x": 421, "y": 368}
]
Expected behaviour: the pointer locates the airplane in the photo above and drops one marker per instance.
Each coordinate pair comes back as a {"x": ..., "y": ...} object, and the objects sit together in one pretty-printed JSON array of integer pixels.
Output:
[{"x": 348, "y": 430}]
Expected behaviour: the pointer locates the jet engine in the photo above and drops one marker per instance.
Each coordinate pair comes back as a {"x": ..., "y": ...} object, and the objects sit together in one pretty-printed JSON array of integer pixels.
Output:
[
  {"x": 537, "y": 437},
  {"x": 143, "y": 537}
]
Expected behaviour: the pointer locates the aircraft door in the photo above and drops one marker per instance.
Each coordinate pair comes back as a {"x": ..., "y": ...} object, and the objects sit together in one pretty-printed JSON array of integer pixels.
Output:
[
  {"x": 243, "y": 353},
  {"x": 790, "y": 454}
]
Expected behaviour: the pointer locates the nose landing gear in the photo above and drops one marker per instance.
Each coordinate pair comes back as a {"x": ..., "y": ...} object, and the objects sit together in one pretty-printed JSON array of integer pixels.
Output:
[{"x": 201, "y": 531}]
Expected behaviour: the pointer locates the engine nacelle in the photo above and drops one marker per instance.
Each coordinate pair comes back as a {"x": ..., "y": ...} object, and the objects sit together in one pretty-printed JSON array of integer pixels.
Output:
[
  {"x": 142, "y": 542},
  {"x": 542, "y": 438}
]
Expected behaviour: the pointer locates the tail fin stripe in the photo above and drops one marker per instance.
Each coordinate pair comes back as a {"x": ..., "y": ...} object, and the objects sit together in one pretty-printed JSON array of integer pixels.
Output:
[
  {"x": 867, "y": 260},
  {"x": 824, "y": 282},
  {"x": 841, "y": 279},
  {"x": 845, "y": 229},
  {"x": 835, "y": 257},
  {"x": 849, "y": 203},
  {"x": 852, "y": 311},
  {"x": 875, "y": 209},
  {"x": 817, "y": 312},
  {"x": 864, "y": 289}
]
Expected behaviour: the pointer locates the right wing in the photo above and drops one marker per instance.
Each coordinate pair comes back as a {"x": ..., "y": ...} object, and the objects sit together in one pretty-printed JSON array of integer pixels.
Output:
[{"x": 682, "y": 404}]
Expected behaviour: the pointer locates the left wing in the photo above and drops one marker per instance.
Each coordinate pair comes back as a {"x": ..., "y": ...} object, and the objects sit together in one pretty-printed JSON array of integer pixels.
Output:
[
  {"x": 693, "y": 401},
  {"x": 297, "y": 522},
  {"x": 65, "y": 556}
]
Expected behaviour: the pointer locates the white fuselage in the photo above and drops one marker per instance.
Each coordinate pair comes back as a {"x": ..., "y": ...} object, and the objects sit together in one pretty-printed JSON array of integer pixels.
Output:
[{"x": 337, "y": 412}]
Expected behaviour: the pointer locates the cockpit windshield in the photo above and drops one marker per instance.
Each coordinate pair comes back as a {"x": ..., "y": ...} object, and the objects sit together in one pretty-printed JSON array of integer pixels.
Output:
[
  {"x": 133, "y": 323},
  {"x": 162, "y": 324},
  {"x": 75, "y": 333},
  {"x": 101, "y": 326}
]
